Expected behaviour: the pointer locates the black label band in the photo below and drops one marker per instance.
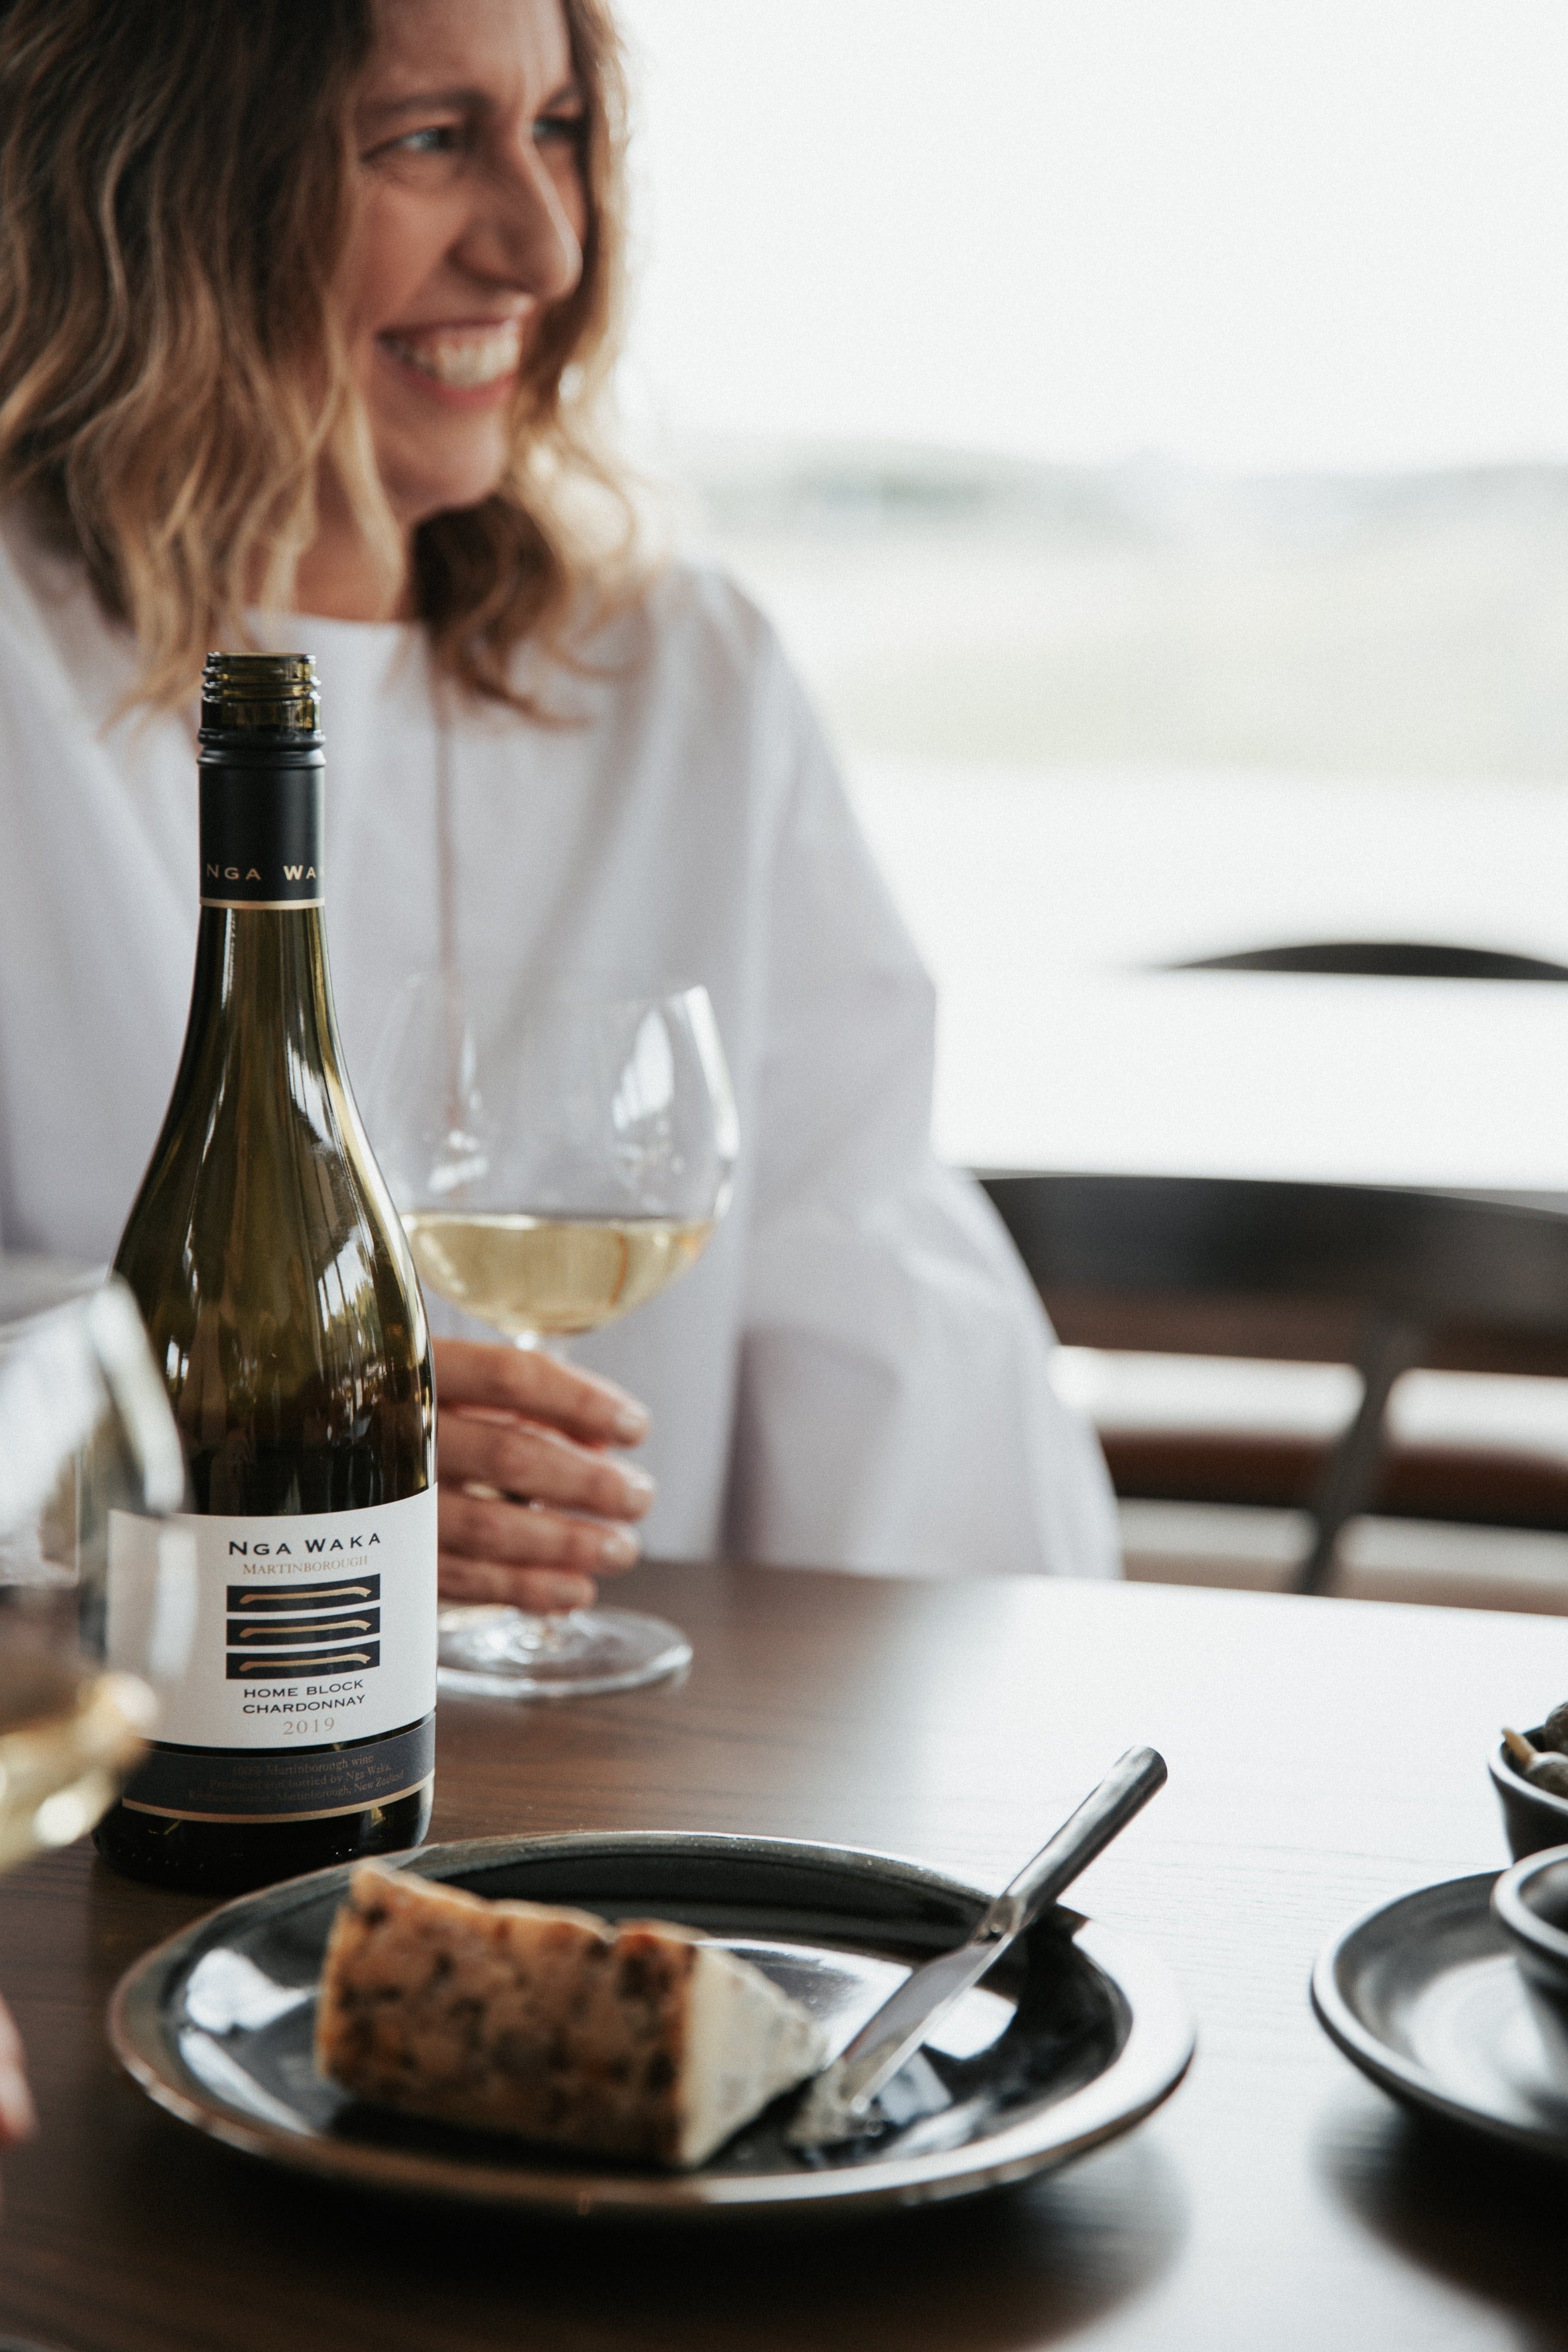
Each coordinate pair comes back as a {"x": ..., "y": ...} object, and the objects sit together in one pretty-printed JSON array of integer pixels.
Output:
[
  {"x": 261, "y": 836},
  {"x": 308, "y": 1783}
]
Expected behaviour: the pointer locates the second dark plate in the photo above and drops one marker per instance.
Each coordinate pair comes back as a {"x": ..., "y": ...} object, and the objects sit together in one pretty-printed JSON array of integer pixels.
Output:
[{"x": 1423, "y": 1995}]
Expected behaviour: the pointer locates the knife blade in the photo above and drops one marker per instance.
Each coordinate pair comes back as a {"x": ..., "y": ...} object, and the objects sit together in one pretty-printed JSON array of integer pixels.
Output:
[{"x": 840, "y": 2104}]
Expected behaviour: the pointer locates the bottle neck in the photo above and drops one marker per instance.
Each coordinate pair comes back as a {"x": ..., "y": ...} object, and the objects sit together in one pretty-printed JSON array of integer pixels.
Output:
[{"x": 261, "y": 950}]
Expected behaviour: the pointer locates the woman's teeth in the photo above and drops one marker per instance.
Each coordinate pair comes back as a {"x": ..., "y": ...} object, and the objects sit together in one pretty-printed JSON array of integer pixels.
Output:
[{"x": 464, "y": 357}]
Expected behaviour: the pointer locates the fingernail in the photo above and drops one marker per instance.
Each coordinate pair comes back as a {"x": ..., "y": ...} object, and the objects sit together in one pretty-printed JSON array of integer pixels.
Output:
[
  {"x": 641, "y": 1484},
  {"x": 617, "y": 1550},
  {"x": 631, "y": 1422}
]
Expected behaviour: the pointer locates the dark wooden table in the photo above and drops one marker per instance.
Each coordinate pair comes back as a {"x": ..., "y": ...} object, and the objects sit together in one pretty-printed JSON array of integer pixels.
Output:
[{"x": 1324, "y": 1754}]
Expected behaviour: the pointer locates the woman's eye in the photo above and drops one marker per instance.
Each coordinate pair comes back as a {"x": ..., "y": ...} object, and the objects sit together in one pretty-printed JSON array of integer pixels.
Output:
[
  {"x": 436, "y": 139},
  {"x": 430, "y": 138}
]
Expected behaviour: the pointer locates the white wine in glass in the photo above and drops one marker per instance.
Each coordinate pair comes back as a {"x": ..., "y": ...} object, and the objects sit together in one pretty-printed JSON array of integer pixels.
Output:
[
  {"x": 538, "y": 1278},
  {"x": 558, "y": 1161}
]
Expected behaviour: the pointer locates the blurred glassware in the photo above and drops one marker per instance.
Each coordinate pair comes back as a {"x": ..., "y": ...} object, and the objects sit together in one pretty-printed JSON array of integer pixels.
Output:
[{"x": 86, "y": 1435}]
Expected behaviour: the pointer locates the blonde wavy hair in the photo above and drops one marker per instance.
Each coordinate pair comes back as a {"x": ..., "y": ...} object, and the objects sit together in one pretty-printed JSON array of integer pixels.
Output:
[{"x": 175, "y": 203}]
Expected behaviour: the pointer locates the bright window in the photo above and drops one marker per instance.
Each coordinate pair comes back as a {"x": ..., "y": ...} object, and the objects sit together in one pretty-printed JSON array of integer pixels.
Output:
[{"x": 1149, "y": 426}]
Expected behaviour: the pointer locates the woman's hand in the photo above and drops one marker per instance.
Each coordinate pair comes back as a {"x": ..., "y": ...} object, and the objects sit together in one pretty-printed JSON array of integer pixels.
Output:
[{"x": 532, "y": 1432}]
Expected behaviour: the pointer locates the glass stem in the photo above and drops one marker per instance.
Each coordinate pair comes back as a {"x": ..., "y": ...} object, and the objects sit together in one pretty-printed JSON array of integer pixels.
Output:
[{"x": 551, "y": 1623}]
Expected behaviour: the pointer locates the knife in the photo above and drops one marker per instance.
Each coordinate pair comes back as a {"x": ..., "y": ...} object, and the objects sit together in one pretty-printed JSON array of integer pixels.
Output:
[{"x": 840, "y": 2103}]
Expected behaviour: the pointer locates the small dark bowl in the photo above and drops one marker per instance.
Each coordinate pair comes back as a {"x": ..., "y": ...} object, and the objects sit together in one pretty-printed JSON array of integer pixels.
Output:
[
  {"x": 1534, "y": 1818},
  {"x": 1529, "y": 1904}
]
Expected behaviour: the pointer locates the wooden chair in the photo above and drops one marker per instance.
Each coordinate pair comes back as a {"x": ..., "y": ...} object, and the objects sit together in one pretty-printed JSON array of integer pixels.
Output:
[{"x": 1387, "y": 1280}]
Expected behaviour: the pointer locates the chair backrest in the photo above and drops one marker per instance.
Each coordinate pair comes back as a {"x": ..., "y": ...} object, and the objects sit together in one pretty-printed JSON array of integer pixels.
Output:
[
  {"x": 1384, "y": 960},
  {"x": 1225, "y": 1265}
]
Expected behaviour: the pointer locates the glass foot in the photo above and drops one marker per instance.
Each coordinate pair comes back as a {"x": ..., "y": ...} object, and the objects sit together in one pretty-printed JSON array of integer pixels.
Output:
[{"x": 494, "y": 1651}]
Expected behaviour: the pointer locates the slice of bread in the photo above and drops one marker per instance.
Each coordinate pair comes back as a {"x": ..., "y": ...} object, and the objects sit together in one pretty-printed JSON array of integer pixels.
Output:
[{"x": 642, "y": 2041}]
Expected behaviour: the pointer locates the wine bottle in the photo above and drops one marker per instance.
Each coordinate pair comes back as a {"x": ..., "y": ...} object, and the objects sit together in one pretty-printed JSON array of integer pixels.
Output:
[{"x": 283, "y": 1310}]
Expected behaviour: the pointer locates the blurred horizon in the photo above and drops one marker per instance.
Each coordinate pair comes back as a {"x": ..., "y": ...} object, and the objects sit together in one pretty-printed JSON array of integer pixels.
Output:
[{"x": 954, "y": 605}]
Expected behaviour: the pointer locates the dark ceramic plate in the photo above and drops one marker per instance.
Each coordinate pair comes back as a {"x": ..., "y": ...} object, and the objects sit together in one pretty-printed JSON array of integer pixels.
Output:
[
  {"x": 1073, "y": 2037},
  {"x": 1423, "y": 1994}
]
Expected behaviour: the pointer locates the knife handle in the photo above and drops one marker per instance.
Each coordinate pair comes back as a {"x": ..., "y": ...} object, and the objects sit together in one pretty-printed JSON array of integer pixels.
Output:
[{"x": 1126, "y": 1790}]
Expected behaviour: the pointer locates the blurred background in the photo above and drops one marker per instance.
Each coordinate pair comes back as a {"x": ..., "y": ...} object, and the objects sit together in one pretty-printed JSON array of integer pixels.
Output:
[{"x": 1149, "y": 429}]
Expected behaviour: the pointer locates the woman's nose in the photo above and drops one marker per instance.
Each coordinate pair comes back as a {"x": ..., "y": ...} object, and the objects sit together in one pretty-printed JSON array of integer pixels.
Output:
[{"x": 520, "y": 234}]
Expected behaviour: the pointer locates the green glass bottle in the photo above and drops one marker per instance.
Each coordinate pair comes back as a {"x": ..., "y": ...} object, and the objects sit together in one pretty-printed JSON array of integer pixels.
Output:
[{"x": 277, "y": 1288}]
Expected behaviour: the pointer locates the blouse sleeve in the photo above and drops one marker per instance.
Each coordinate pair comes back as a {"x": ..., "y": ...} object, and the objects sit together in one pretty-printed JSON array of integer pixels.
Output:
[{"x": 897, "y": 1409}]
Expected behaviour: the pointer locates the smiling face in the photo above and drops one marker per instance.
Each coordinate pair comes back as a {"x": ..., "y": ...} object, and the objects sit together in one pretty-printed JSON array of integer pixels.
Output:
[{"x": 470, "y": 130}]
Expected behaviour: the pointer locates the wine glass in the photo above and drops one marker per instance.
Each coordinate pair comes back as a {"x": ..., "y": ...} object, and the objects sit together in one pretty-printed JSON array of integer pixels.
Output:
[
  {"x": 557, "y": 1161},
  {"x": 87, "y": 1439}
]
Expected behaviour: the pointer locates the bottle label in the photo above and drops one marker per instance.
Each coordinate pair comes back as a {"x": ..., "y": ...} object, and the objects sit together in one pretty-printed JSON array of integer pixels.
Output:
[
  {"x": 261, "y": 836},
  {"x": 300, "y": 1633}
]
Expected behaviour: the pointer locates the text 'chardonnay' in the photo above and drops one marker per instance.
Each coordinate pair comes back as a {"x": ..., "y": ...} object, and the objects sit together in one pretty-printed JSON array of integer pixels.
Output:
[{"x": 276, "y": 1284}]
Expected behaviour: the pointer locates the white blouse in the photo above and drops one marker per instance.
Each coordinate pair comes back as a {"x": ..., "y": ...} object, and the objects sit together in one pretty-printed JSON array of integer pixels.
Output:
[{"x": 857, "y": 1373}]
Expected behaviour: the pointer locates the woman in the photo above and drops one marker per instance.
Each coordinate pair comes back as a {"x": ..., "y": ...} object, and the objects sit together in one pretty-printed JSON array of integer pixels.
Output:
[{"x": 305, "y": 306}]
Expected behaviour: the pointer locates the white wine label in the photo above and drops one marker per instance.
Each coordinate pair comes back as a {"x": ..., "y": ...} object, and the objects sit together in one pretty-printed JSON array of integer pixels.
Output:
[{"x": 292, "y": 1633}]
